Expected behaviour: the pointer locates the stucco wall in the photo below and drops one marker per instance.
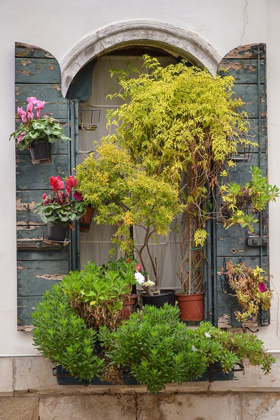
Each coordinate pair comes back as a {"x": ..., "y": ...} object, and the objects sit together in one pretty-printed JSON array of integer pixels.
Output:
[{"x": 60, "y": 26}]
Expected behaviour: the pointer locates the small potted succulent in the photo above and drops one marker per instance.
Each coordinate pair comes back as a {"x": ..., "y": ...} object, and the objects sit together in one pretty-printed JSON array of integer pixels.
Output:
[
  {"x": 37, "y": 131},
  {"x": 58, "y": 209},
  {"x": 250, "y": 287}
]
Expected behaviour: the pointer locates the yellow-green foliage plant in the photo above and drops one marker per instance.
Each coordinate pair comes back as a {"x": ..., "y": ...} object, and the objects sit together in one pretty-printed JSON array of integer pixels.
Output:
[
  {"x": 124, "y": 195},
  {"x": 178, "y": 126}
]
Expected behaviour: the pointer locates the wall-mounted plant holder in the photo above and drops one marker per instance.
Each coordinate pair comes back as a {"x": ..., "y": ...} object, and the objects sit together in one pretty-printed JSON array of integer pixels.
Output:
[
  {"x": 244, "y": 153},
  {"x": 40, "y": 151},
  {"x": 89, "y": 118},
  {"x": 86, "y": 220}
]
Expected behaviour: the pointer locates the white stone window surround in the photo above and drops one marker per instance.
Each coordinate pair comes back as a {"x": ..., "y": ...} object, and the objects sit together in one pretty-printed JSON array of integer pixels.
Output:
[{"x": 174, "y": 40}]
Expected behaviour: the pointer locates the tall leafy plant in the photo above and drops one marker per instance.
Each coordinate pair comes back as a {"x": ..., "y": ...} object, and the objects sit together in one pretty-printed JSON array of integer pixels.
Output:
[{"x": 126, "y": 195}]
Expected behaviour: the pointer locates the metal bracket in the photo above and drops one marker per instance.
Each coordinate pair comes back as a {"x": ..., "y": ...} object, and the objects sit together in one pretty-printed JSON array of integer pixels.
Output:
[{"x": 257, "y": 241}]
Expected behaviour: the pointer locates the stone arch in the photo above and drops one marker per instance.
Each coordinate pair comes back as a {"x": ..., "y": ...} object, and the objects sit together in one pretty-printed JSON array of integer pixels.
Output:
[{"x": 175, "y": 41}]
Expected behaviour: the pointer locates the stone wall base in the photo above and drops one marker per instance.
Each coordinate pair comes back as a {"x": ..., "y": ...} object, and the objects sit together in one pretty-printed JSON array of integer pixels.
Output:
[{"x": 29, "y": 391}]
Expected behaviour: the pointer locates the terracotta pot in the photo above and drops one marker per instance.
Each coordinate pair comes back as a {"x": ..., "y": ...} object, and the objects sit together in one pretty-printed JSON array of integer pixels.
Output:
[
  {"x": 165, "y": 296},
  {"x": 128, "y": 306},
  {"x": 191, "y": 306},
  {"x": 86, "y": 219},
  {"x": 40, "y": 151},
  {"x": 56, "y": 232}
]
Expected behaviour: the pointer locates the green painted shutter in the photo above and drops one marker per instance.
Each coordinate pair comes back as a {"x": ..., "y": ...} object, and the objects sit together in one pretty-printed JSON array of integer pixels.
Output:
[
  {"x": 40, "y": 265},
  {"x": 247, "y": 64}
]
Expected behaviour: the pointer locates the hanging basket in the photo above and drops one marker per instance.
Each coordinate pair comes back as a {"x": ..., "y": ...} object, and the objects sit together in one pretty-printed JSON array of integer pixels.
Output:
[{"x": 40, "y": 151}]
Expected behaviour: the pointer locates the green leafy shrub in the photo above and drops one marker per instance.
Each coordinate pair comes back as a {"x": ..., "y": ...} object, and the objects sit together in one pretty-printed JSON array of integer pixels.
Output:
[
  {"x": 153, "y": 345},
  {"x": 158, "y": 348},
  {"x": 63, "y": 337},
  {"x": 97, "y": 293}
]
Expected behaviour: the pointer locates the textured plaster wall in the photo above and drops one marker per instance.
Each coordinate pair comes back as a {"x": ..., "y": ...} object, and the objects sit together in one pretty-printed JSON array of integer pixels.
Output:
[{"x": 60, "y": 26}]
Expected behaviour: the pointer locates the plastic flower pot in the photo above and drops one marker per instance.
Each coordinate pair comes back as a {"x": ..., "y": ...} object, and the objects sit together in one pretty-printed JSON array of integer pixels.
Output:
[
  {"x": 165, "y": 296},
  {"x": 56, "y": 232},
  {"x": 40, "y": 151},
  {"x": 191, "y": 306}
]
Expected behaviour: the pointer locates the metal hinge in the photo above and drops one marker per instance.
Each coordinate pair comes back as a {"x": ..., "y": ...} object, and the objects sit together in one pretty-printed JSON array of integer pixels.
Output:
[{"x": 255, "y": 241}]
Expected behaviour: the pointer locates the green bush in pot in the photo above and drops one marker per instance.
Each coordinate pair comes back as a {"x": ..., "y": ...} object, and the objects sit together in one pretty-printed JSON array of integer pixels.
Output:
[{"x": 159, "y": 349}]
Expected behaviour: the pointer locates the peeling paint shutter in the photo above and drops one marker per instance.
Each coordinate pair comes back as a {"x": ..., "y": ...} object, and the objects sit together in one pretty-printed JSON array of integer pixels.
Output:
[
  {"x": 40, "y": 265},
  {"x": 247, "y": 64}
]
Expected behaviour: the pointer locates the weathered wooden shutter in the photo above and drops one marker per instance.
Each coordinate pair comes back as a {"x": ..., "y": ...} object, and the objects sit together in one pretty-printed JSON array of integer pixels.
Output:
[
  {"x": 40, "y": 265},
  {"x": 247, "y": 64}
]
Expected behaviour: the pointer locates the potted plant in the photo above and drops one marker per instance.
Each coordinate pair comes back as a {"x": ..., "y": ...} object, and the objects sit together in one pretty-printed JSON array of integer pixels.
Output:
[
  {"x": 241, "y": 203},
  {"x": 124, "y": 195},
  {"x": 37, "y": 131},
  {"x": 181, "y": 124},
  {"x": 58, "y": 210},
  {"x": 249, "y": 285},
  {"x": 97, "y": 293},
  {"x": 159, "y": 349},
  {"x": 152, "y": 345}
]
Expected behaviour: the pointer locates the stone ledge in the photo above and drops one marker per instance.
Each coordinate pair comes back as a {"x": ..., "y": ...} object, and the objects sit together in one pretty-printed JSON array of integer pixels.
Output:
[{"x": 32, "y": 376}]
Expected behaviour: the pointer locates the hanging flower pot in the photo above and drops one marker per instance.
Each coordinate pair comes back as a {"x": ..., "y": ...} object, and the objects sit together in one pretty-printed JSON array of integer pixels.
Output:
[
  {"x": 191, "y": 306},
  {"x": 40, "y": 151},
  {"x": 128, "y": 306},
  {"x": 56, "y": 232},
  {"x": 86, "y": 219}
]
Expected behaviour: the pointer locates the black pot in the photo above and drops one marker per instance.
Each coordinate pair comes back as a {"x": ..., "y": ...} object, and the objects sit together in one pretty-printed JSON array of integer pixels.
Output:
[
  {"x": 56, "y": 232},
  {"x": 40, "y": 151},
  {"x": 165, "y": 296},
  {"x": 64, "y": 378}
]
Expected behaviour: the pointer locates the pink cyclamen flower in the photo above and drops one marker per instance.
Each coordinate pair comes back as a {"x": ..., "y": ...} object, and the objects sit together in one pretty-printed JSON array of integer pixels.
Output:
[
  {"x": 22, "y": 114},
  {"x": 32, "y": 100},
  {"x": 45, "y": 202},
  {"x": 78, "y": 196},
  {"x": 30, "y": 114},
  {"x": 44, "y": 196},
  {"x": 56, "y": 183},
  {"x": 261, "y": 287},
  {"x": 138, "y": 268},
  {"x": 19, "y": 138},
  {"x": 39, "y": 105}
]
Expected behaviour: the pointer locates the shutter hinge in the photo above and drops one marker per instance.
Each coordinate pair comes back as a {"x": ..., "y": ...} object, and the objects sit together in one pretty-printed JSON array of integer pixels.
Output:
[{"x": 257, "y": 241}]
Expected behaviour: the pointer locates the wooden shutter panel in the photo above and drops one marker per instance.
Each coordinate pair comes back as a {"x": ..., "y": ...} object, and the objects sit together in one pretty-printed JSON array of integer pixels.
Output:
[
  {"x": 37, "y": 73},
  {"x": 247, "y": 64}
]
